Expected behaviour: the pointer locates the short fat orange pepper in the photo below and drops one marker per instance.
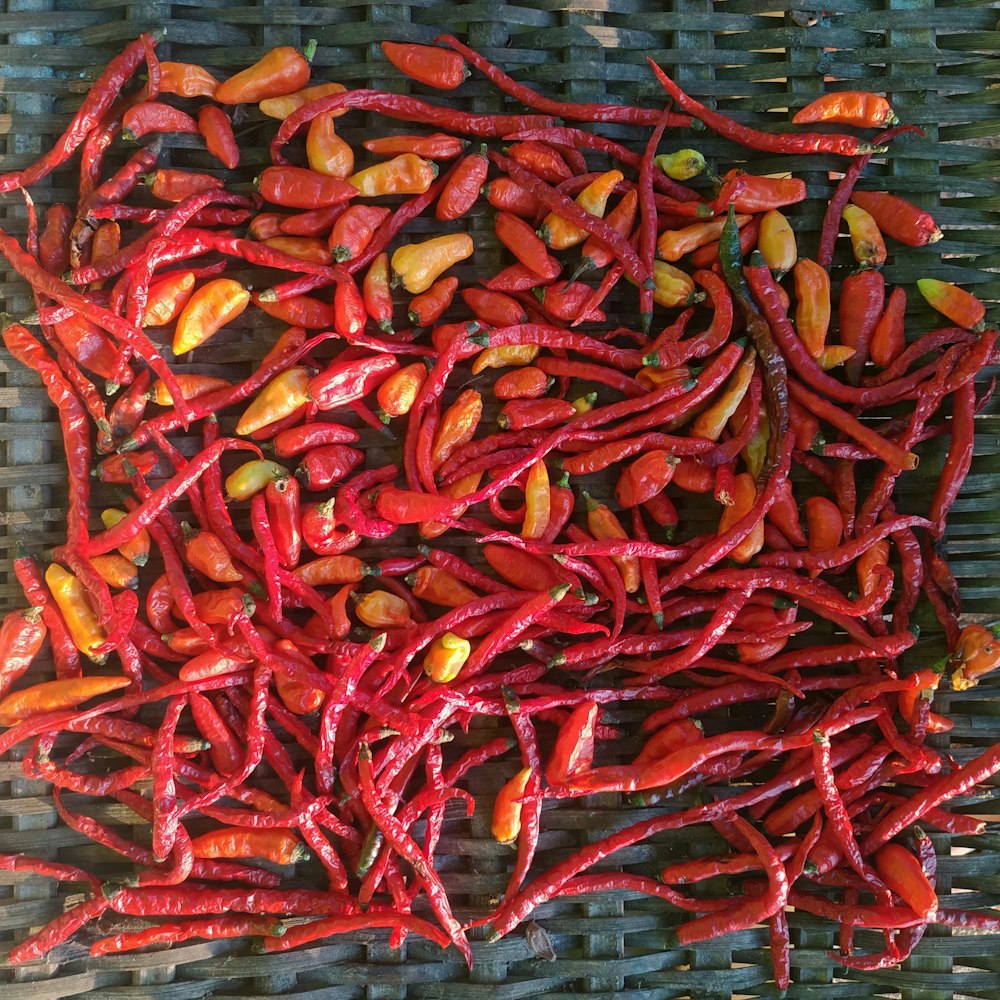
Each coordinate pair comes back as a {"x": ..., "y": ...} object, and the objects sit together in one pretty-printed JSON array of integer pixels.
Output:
[
  {"x": 404, "y": 174},
  {"x": 281, "y": 71},
  {"x": 209, "y": 309}
]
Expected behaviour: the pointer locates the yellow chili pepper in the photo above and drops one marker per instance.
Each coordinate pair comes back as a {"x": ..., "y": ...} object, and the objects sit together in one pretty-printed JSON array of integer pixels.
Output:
[
  {"x": 584, "y": 404},
  {"x": 672, "y": 287},
  {"x": 283, "y": 395},
  {"x": 776, "y": 242},
  {"x": 561, "y": 234},
  {"x": 866, "y": 238},
  {"x": 211, "y": 307},
  {"x": 458, "y": 425},
  {"x": 682, "y": 164},
  {"x": 282, "y": 107},
  {"x": 419, "y": 265},
  {"x": 502, "y": 357},
  {"x": 604, "y": 525},
  {"x": 404, "y": 174},
  {"x": 446, "y": 657},
  {"x": 711, "y": 422},
  {"x": 537, "y": 501},
  {"x": 74, "y": 605},
  {"x": 252, "y": 477}
]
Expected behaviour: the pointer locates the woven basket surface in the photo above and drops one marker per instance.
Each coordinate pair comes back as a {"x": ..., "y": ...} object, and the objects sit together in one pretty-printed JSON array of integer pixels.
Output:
[{"x": 755, "y": 59}]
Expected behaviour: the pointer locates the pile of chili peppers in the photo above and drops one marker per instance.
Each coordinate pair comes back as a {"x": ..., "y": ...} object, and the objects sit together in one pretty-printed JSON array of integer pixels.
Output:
[{"x": 219, "y": 631}]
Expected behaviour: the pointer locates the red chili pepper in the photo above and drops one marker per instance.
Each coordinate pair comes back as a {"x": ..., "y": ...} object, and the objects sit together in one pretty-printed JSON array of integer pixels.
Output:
[
  {"x": 353, "y": 230},
  {"x": 461, "y": 190},
  {"x": 898, "y": 218}
]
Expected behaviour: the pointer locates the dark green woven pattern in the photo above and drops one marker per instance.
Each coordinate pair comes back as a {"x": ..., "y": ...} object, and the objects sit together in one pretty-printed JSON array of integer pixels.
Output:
[{"x": 937, "y": 62}]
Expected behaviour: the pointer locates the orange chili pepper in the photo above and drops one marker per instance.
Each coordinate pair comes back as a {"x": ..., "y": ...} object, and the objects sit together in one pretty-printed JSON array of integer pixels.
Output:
[
  {"x": 644, "y": 478},
  {"x": 186, "y": 80},
  {"x": 106, "y": 243},
  {"x": 960, "y": 306},
  {"x": 281, "y": 847},
  {"x": 148, "y": 117},
  {"x": 404, "y": 174},
  {"x": 673, "y": 244},
  {"x": 207, "y": 553},
  {"x": 603, "y": 524},
  {"x": 326, "y": 152},
  {"x": 121, "y": 467},
  {"x": 136, "y": 549},
  {"x": 776, "y": 241},
  {"x": 265, "y": 225},
  {"x": 673, "y": 736},
  {"x": 454, "y": 491},
  {"x": 251, "y": 477},
  {"x": 522, "y": 383},
  {"x": 458, "y": 425},
  {"x": 116, "y": 571},
  {"x": 561, "y": 234},
  {"x": 53, "y": 696},
  {"x": 297, "y": 187},
  {"x": 281, "y": 71},
  {"x": 377, "y": 294},
  {"x": 868, "y": 561},
  {"x": 300, "y": 310},
  {"x": 428, "y": 64},
  {"x": 445, "y": 657},
  {"x": 755, "y": 619},
  {"x": 752, "y": 194},
  {"x": 503, "y": 357},
  {"x": 427, "y": 308},
  {"x": 506, "y": 195},
  {"x": 848, "y": 107},
  {"x": 621, "y": 219},
  {"x": 209, "y": 309},
  {"x": 862, "y": 299},
  {"x": 431, "y": 147},
  {"x": 191, "y": 386},
  {"x": 399, "y": 391},
  {"x": 418, "y": 265},
  {"x": 901, "y": 871},
  {"x": 380, "y": 609},
  {"x": 506, "y": 824},
  {"x": 297, "y": 696},
  {"x": 219, "y": 607},
  {"x": 573, "y": 752},
  {"x": 889, "y": 336},
  {"x": 301, "y": 247},
  {"x": 282, "y": 107},
  {"x": 438, "y": 586},
  {"x": 217, "y": 131},
  {"x": 167, "y": 298},
  {"x": 744, "y": 497},
  {"x": 22, "y": 635},
  {"x": 866, "y": 240},
  {"x": 812, "y": 312},
  {"x": 176, "y": 185},
  {"x": 74, "y": 605},
  {"x": 711, "y": 423},
  {"x": 824, "y": 524},
  {"x": 537, "y": 501},
  {"x": 333, "y": 570},
  {"x": 692, "y": 477}
]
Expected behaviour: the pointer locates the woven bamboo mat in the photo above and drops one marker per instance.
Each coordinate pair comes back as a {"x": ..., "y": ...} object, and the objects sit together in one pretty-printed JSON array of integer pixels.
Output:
[{"x": 937, "y": 61}]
